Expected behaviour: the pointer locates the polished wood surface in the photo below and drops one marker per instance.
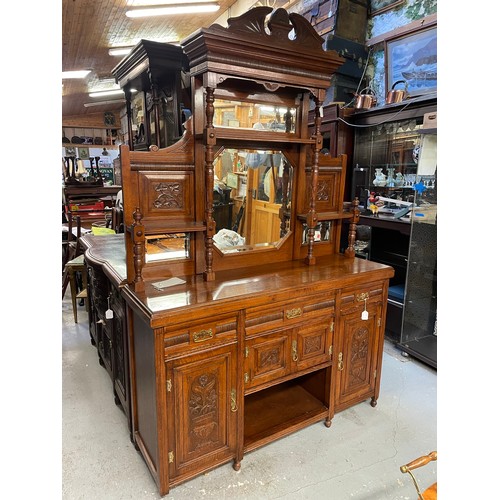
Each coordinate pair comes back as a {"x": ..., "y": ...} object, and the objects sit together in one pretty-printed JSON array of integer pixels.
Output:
[{"x": 273, "y": 348}]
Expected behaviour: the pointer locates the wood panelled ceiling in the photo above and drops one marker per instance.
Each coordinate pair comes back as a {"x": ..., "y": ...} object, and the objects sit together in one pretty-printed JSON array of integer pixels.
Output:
[{"x": 91, "y": 27}]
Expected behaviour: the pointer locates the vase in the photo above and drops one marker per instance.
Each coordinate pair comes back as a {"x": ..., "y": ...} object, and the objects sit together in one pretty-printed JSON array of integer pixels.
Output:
[
  {"x": 399, "y": 180},
  {"x": 390, "y": 177},
  {"x": 380, "y": 178}
]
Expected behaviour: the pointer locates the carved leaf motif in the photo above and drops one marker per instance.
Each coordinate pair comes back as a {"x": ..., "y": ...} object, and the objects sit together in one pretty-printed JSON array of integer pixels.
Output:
[
  {"x": 203, "y": 398},
  {"x": 323, "y": 191},
  {"x": 312, "y": 344},
  {"x": 203, "y": 411},
  {"x": 170, "y": 195},
  {"x": 252, "y": 21},
  {"x": 359, "y": 354}
]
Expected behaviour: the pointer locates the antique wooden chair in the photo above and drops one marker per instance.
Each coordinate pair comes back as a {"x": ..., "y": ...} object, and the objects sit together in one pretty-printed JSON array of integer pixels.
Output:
[{"x": 431, "y": 492}]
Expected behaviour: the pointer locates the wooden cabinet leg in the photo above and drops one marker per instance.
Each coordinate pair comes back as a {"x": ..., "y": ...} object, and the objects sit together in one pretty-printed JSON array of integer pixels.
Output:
[
  {"x": 236, "y": 465},
  {"x": 373, "y": 402}
]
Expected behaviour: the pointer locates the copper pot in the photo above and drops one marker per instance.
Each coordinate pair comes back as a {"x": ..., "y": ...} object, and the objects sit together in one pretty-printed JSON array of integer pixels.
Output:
[
  {"x": 397, "y": 95},
  {"x": 367, "y": 100}
]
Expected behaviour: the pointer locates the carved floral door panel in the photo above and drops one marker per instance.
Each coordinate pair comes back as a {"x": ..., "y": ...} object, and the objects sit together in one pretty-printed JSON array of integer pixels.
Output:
[
  {"x": 202, "y": 408},
  {"x": 273, "y": 356},
  {"x": 267, "y": 358},
  {"x": 355, "y": 357},
  {"x": 313, "y": 344}
]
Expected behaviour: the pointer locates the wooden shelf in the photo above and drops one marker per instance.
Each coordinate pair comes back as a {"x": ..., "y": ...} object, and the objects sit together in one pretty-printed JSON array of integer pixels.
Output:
[
  {"x": 75, "y": 145},
  {"x": 175, "y": 227},
  {"x": 328, "y": 216},
  {"x": 278, "y": 411},
  {"x": 259, "y": 136}
]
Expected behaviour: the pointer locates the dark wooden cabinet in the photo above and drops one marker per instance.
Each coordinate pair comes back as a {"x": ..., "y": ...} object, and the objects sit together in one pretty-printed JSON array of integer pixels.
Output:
[
  {"x": 108, "y": 326},
  {"x": 233, "y": 338}
]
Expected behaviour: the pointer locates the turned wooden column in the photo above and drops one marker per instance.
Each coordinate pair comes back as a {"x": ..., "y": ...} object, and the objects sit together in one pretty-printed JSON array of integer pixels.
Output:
[
  {"x": 138, "y": 239},
  {"x": 312, "y": 216},
  {"x": 350, "y": 252},
  {"x": 210, "y": 140}
]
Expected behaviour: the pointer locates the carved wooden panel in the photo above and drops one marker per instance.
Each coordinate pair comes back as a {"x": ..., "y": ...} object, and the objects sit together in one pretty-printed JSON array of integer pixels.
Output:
[
  {"x": 328, "y": 193},
  {"x": 313, "y": 343},
  {"x": 199, "y": 401},
  {"x": 355, "y": 357},
  {"x": 267, "y": 358},
  {"x": 167, "y": 195}
]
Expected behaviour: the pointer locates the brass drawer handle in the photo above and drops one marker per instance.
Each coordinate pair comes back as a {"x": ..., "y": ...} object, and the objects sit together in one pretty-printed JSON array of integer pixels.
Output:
[
  {"x": 340, "y": 364},
  {"x": 293, "y": 313},
  {"x": 295, "y": 357},
  {"x": 360, "y": 297},
  {"x": 234, "y": 406},
  {"x": 203, "y": 335}
]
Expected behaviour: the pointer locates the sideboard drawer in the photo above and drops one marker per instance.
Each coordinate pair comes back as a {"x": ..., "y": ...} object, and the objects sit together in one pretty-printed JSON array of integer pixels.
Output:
[
  {"x": 212, "y": 331},
  {"x": 284, "y": 314},
  {"x": 354, "y": 298}
]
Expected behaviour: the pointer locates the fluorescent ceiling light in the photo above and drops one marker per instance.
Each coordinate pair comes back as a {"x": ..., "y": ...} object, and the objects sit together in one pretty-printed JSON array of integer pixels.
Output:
[
  {"x": 174, "y": 9},
  {"x": 102, "y": 103},
  {"x": 102, "y": 93},
  {"x": 120, "y": 51},
  {"x": 75, "y": 74},
  {"x": 144, "y": 3}
]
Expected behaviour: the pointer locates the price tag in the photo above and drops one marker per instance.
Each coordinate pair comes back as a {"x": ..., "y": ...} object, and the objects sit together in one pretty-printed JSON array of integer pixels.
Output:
[
  {"x": 364, "y": 314},
  {"x": 109, "y": 311}
]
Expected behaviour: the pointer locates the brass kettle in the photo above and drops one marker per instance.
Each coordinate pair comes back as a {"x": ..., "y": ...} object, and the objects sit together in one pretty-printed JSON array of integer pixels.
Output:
[
  {"x": 365, "y": 100},
  {"x": 397, "y": 95}
]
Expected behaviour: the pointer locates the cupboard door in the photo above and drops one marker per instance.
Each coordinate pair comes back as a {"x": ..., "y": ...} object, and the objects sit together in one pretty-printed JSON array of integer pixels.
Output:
[
  {"x": 313, "y": 344},
  {"x": 355, "y": 358},
  {"x": 201, "y": 410},
  {"x": 267, "y": 358},
  {"x": 120, "y": 351}
]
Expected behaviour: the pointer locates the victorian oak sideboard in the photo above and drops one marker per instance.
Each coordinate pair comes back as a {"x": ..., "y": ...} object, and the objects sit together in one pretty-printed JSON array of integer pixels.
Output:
[{"x": 209, "y": 370}]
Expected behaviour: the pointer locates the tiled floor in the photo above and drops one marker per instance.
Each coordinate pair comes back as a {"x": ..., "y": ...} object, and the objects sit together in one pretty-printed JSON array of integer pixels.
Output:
[{"x": 358, "y": 458}]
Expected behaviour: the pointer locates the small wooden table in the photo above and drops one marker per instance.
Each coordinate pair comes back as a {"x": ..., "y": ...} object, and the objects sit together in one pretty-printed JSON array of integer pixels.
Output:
[{"x": 73, "y": 266}]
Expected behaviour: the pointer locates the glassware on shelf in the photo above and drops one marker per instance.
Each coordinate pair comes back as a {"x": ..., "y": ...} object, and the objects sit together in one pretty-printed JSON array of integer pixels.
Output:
[
  {"x": 380, "y": 178},
  {"x": 399, "y": 180},
  {"x": 390, "y": 177}
]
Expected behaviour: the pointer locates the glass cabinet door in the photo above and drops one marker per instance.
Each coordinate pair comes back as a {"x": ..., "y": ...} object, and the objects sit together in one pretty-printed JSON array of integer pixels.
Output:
[
  {"x": 385, "y": 160},
  {"x": 419, "y": 331}
]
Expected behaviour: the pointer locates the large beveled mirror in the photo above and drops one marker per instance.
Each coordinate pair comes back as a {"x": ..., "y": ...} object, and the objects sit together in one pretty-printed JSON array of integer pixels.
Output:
[
  {"x": 252, "y": 199},
  {"x": 255, "y": 116}
]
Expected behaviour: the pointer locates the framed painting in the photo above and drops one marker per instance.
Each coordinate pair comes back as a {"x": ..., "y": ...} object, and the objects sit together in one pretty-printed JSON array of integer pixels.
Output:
[
  {"x": 83, "y": 153},
  {"x": 380, "y": 6},
  {"x": 413, "y": 59}
]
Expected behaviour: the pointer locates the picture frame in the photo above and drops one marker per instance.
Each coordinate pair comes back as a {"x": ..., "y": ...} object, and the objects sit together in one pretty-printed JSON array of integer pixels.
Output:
[
  {"x": 413, "y": 59},
  {"x": 381, "y": 6},
  {"x": 83, "y": 153}
]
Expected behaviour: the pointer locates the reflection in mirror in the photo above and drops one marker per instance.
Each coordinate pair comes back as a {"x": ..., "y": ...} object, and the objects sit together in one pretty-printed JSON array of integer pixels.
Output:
[
  {"x": 252, "y": 199},
  {"x": 321, "y": 232},
  {"x": 167, "y": 246},
  {"x": 255, "y": 116}
]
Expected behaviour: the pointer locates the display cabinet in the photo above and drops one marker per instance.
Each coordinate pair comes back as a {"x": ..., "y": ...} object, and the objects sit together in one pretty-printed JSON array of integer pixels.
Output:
[
  {"x": 154, "y": 79},
  {"x": 419, "y": 330},
  {"x": 386, "y": 150},
  {"x": 390, "y": 137}
]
